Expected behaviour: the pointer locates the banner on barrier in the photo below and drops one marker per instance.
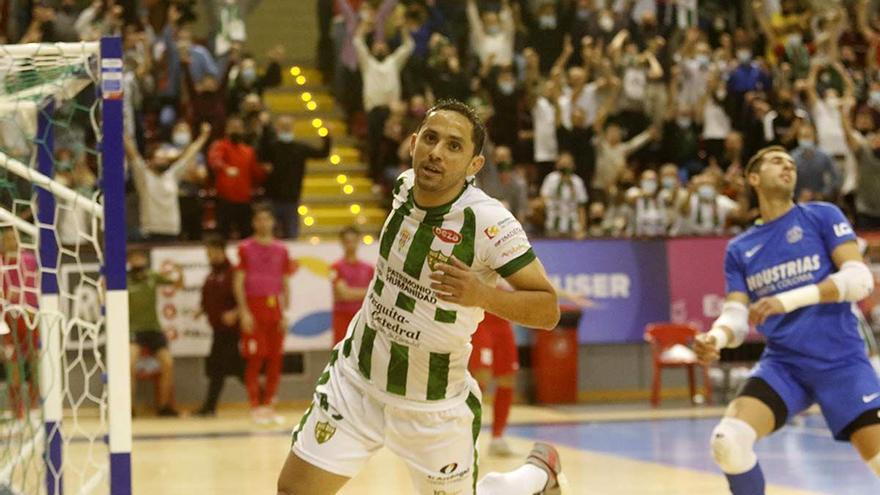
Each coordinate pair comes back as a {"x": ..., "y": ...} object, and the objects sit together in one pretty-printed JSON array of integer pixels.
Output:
[
  {"x": 310, "y": 302},
  {"x": 626, "y": 280},
  {"x": 696, "y": 279}
]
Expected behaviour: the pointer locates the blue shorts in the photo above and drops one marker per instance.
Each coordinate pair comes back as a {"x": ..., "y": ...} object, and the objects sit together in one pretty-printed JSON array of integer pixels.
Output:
[{"x": 844, "y": 392}]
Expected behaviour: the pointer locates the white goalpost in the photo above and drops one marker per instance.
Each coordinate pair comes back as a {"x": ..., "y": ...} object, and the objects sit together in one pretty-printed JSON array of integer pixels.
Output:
[{"x": 65, "y": 395}]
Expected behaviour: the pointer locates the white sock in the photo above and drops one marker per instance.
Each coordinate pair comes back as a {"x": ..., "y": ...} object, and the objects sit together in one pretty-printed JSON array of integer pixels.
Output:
[{"x": 525, "y": 480}]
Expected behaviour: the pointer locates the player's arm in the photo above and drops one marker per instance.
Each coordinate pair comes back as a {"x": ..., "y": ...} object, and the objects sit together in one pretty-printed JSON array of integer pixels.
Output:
[
  {"x": 852, "y": 282},
  {"x": 247, "y": 319},
  {"x": 729, "y": 330},
  {"x": 532, "y": 303}
]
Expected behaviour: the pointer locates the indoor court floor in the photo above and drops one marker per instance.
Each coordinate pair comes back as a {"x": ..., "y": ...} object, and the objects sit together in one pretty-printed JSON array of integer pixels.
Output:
[{"x": 606, "y": 450}]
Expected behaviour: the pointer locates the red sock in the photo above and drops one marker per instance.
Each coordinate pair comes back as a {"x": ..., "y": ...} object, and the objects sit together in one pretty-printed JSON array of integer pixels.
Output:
[
  {"x": 252, "y": 379},
  {"x": 503, "y": 400}
]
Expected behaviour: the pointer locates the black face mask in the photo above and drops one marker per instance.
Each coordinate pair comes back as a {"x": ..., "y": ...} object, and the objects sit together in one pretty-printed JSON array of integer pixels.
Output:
[
  {"x": 218, "y": 266},
  {"x": 138, "y": 270},
  {"x": 236, "y": 137}
]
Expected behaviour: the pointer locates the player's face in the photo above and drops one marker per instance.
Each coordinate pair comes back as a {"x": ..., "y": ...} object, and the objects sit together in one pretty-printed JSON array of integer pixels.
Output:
[
  {"x": 442, "y": 152},
  {"x": 264, "y": 224},
  {"x": 350, "y": 244},
  {"x": 777, "y": 174},
  {"x": 216, "y": 255}
]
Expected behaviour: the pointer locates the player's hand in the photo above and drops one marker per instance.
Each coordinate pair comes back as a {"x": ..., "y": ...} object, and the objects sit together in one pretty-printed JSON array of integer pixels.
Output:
[
  {"x": 763, "y": 309},
  {"x": 247, "y": 322},
  {"x": 229, "y": 317},
  {"x": 706, "y": 348},
  {"x": 455, "y": 282}
]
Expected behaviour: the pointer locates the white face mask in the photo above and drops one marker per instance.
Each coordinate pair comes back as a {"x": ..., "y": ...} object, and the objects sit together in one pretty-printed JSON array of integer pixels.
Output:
[
  {"x": 181, "y": 139},
  {"x": 606, "y": 23},
  {"x": 683, "y": 122},
  {"x": 649, "y": 186},
  {"x": 706, "y": 191},
  {"x": 744, "y": 56},
  {"x": 669, "y": 182},
  {"x": 806, "y": 143},
  {"x": 547, "y": 21}
]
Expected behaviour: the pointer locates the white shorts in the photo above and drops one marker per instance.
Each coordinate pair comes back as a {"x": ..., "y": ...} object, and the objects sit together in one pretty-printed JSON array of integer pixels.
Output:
[{"x": 344, "y": 426}]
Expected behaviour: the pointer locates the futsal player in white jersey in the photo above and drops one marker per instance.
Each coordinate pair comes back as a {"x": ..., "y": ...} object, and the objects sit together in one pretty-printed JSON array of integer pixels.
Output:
[{"x": 399, "y": 379}]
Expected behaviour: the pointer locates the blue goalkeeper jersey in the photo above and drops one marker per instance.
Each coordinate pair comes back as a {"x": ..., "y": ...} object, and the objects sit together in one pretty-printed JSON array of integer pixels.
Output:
[{"x": 792, "y": 251}]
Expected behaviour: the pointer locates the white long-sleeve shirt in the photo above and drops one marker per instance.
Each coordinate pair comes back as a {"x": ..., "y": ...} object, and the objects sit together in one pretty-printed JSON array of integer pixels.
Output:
[
  {"x": 484, "y": 44},
  {"x": 382, "y": 79}
]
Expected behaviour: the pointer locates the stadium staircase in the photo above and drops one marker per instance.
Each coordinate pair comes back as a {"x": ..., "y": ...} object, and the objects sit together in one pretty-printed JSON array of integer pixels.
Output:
[{"x": 337, "y": 191}]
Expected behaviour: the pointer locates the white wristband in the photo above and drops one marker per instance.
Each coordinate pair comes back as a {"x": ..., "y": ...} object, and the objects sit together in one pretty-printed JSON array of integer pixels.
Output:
[
  {"x": 720, "y": 335},
  {"x": 807, "y": 295}
]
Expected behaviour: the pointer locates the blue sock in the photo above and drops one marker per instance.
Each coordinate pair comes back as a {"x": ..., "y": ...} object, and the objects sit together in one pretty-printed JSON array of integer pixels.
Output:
[{"x": 749, "y": 483}]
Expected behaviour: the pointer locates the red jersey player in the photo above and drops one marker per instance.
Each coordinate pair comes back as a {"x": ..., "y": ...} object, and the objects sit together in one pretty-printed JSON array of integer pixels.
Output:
[
  {"x": 350, "y": 278},
  {"x": 262, "y": 292}
]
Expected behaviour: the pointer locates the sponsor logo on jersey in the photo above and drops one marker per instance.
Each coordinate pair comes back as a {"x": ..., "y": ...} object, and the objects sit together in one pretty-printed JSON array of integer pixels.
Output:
[
  {"x": 405, "y": 283},
  {"x": 324, "y": 431},
  {"x": 449, "y": 468},
  {"x": 403, "y": 239},
  {"x": 794, "y": 234},
  {"x": 492, "y": 231},
  {"x": 870, "y": 398},
  {"x": 515, "y": 250},
  {"x": 784, "y": 275},
  {"x": 393, "y": 323},
  {"x": 435, "y": 258},
  {"x": 753, "y": 251},
  {"x": 446, "y": 235},
  {"x": 508, "y": 236},
  {"x": 842, "y": 229}
]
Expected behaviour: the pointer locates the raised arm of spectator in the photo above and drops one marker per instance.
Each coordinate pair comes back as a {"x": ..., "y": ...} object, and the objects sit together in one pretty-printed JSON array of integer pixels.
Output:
[
  {"x": 475, "y": 23},
  {"x": 86, "y": 18},
  {"x": 607, "y": 107},
  {"x": 347, "y": 12},
  {"x": 862, "y": 21},
  {"x": 615, "y": 47},
  {"x": 641, "y": 139},
  {"x": 760, "y": 13},
  {"x": 272, "y": 76},
  {"x": 360, "y": 48},
  {"x": 188, "y": 157},
  {"x": 655, "y": 70},
  {"x": 382, "y": 14},
  {"x": 436, "y": 21},
  {"x": 402, "y": 53},
  {"x": 853, "y": 138},
  {"x": 505, "y": 18},
  {"x": 849, "y": 88},
  {"x": 564, "y": 57},
  {"x": 810, "y": 88}
]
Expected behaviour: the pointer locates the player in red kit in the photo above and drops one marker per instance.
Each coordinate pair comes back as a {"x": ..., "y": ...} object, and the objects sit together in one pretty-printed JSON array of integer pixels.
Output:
[
  {"x": 350, "y": 278},
  {"x": 262, "y": 292}
]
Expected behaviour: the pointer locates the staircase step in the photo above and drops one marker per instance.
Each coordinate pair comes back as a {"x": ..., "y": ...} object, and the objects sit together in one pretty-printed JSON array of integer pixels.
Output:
[
  {"x": 330, "y": 233},
  {"x": 363, "y": 199},
  {"x": 342, "y": 216},
  {"x": 279, "y": 101},
  {"x": 306, "y": 127},
  {"x": 351, "y": 168},
  {"x": 289, "y": 75}
]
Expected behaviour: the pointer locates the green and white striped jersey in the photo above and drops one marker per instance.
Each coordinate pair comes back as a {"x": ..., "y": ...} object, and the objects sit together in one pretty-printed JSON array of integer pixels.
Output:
[{"x": 410, "y": 348}]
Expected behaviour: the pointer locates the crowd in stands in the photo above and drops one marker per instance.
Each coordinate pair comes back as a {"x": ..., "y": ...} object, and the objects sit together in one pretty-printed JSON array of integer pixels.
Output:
[
  {"x": 623, "y": 117},
  {"x": 200, "y": 146},
  {"x": 605, "y": 117}
]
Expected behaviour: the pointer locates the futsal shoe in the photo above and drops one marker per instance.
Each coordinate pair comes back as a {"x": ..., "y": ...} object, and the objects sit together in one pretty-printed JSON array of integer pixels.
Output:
[
  {"x": 498, "y": 447},
  {"x": 260, "y": 416},
  {"x": 545, "y": 457}
]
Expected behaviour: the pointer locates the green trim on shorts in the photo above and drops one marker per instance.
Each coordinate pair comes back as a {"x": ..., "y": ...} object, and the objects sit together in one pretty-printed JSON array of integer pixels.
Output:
[
  {"x": 302, "y": 423},
  {"x": 476, "y": 408}
]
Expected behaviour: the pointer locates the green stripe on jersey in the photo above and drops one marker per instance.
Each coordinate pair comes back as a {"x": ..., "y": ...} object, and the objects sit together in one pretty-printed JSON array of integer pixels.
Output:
[
  {"x": 378, "y": 286},
  {"x": 438, "y": 376},
  {"x": 393, "y": 227},
  {"x": 516, "y": 264},
  {"x": 405, "y": 302},
  {"x": 464, "y": 250},
  {"x": 418, "y": 251},
  {"x": 398, "y": 364},
  {"x": 365, "y": 355},
  {"x": 445, "y": 315}
]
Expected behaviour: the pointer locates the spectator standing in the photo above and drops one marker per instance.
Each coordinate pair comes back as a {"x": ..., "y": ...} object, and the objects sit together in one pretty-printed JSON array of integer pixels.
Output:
[
  {"x": 565, "y": 200},
  {"x": 236, "y": 174},
  {"x": 350, "y": 278},
  {"x": 817, "y": 177},
  {"x": 262, "y": 292}
]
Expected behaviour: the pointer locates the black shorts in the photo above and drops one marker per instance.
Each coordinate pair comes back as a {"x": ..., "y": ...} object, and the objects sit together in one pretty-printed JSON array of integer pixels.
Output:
[{"x": 151, "y": 340}]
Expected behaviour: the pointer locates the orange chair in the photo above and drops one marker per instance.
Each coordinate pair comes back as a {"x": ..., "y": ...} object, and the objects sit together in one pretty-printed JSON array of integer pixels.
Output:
[{"x": 663, "y": 337}]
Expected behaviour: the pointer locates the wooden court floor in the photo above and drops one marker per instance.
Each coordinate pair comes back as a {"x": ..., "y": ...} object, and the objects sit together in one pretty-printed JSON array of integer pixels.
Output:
[{"x": 228, "y": 455}]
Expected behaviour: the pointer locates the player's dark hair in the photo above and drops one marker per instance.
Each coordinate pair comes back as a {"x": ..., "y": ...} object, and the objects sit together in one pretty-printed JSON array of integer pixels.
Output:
[
  {"x": 478, "y": 130},
  {"x": 262, "y": 208},
  {"x": 755, "y": 162},
  {"x": 351, "y": 229},
  {"x": 215, "y": 241}
]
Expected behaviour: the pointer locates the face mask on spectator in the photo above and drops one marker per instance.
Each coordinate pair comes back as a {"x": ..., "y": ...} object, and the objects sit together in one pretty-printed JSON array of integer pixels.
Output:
[
  {"x": 493, "y": 30},
  {"x": 874, "y": 99},
  {"x": 181, "y": 139},
  {"x": 506, "y": 87},
  {"x": 547, "y": 21},
  {"x": 683, "y": 122},
  {"x": 806, "y": 143},
  {"x": 64, "y": 165},
  {"x": 719, "y": 24},
  {"x": 285, "y": 137},
  {"x": 606, "y": 23},
  {"x": 249, "y": 75},
  {"x": 744, "y": 55},
  {"x": 706, "y": 191},
  {"x": 702, "y": 59},
  {"x": 566, "y": 171},
  {"x": 649, "y": 186},
  {"x": 583, "y": 14},
  {"x": 236, "y": 137},
  {"x": 669, "y": 182}
]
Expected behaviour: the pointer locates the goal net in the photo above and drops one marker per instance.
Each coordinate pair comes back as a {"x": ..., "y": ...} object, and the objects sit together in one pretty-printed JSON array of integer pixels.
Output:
[{"x": 65, "y": 391}]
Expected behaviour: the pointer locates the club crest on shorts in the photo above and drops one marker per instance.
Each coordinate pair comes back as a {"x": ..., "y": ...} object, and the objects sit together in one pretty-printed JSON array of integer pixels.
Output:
[
  {"x": 794, "y": 234},
  {"x": 324, "y": 431},
  {"x": 436, "y": 257}
]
